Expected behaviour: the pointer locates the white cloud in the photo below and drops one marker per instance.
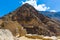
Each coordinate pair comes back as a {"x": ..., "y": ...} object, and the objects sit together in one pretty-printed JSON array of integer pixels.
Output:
[
  {"x": 40, "y": 7},
  {"x": 52, "y": 10}
]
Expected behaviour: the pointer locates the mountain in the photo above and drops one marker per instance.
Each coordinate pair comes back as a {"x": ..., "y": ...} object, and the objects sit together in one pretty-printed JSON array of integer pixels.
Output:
[
  {"x": 55, "y": 15},
  {"x": 27, "y": 20}
]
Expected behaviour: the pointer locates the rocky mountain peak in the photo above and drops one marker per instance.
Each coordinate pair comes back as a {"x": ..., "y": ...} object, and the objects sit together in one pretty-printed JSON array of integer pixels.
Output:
[{"x": 31, "y": 20}]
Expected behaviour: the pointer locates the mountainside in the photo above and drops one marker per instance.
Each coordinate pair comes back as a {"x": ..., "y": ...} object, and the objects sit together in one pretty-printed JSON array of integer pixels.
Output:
[
  {"x": 28, "y": 20},
  {"x": 55, "y": 15}
]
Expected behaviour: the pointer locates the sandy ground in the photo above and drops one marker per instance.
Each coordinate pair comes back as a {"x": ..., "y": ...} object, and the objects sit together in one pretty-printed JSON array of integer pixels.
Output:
[{"x": 45, "y": 38}]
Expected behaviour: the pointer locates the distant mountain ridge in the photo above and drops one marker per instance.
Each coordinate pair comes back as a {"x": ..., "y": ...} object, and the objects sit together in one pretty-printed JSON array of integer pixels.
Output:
[
  {"x": 55, "y": 15},
  {"x": 30, "y": 20}
]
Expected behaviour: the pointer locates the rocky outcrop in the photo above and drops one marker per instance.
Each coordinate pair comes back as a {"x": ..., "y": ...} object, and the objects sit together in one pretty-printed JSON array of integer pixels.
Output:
[{"x": 6, "y": 35}]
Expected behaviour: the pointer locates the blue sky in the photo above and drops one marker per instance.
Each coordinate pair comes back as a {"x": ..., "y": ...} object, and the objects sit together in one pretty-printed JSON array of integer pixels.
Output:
[{"x": 7, "y": 6}]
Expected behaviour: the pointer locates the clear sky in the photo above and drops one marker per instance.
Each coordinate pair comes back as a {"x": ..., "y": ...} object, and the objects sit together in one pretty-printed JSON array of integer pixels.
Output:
[{"x": 7, "y": 6}]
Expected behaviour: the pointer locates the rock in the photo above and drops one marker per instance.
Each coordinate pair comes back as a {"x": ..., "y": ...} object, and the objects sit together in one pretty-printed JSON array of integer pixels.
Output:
[{"x": 6, "y": 35}]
